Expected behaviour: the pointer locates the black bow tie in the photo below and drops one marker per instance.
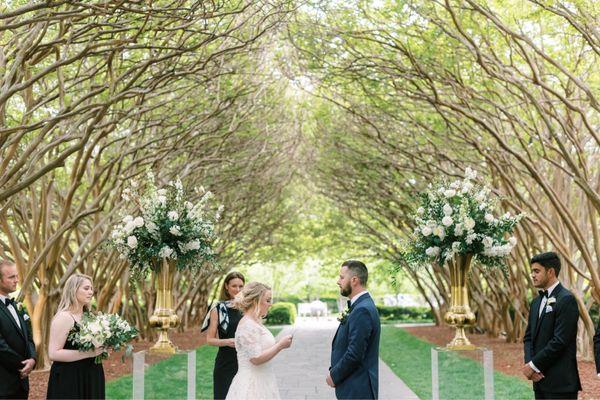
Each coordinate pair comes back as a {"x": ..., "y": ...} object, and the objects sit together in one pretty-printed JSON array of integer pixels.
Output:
[
  {"x": 8, "y": 301},
  {"x": 543, "y": 293}
]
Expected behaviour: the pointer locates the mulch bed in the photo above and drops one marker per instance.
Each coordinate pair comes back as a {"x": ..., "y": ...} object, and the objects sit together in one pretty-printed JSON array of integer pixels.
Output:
[
  {"x": 508, "y": 357},
  {"x": 113, "y": 367}
]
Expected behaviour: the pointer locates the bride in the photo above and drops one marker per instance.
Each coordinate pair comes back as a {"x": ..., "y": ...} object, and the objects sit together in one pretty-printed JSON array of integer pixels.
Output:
[{"x": 255, "y": 346}]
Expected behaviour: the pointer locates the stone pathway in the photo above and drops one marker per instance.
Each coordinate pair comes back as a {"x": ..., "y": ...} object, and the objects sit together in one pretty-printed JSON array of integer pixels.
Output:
[{"x": 301, "y": 370}]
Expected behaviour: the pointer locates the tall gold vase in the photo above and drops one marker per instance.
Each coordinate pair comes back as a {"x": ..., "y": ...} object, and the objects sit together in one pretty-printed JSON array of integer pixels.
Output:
[
  {"x": 460, "y": 315},
  {"x": 164, "y": 317}
]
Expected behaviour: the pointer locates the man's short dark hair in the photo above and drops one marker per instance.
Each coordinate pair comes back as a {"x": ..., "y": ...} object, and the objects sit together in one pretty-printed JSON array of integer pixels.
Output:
[
  {"x": 547, "y": 260},
  {"x": 358, "y": 269}
]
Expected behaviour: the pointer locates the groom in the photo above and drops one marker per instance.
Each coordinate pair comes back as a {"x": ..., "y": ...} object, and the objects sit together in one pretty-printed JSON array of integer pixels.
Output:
[
  {"x": 354, "y": 371},
  {"x": 17, "y": 351},
  {"x": 550, "y": 342}
]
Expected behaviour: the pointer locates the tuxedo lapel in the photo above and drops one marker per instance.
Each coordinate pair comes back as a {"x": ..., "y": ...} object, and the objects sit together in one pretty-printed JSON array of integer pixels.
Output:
[
  {"x": 8, "y": 315},
  {"x": 535, "y": 310},
  {"x": 541, "y": 317}
]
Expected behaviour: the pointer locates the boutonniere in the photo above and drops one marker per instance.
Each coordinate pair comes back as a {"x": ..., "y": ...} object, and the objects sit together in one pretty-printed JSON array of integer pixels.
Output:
[
  {"x": 22, "y": 310},
  {"x": 551, "y": 300},
  {"x": 343, "y": 316}
]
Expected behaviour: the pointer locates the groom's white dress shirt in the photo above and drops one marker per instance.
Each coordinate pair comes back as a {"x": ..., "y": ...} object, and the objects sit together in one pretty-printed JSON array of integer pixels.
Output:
[
  {"x": 353, "y": 300},
  {"x": 12, "y": 310}
]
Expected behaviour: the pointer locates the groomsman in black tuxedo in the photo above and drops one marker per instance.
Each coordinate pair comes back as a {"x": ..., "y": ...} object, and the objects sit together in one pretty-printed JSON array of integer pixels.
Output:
[
  {"x": 17, "y": 351},
  {"x": 550, "y": 338}
]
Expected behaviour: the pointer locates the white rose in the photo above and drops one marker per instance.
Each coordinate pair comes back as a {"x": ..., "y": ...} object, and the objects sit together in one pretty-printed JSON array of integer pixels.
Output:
[
  {"x": 447, "y": 221},
  {"x": 458, "y": 230},
  {"x": 412, "y": 181},
  {"x": 152, "y": 227},
  {"x": 512, "y": 240},
  {"x": 506, "y": 216},
  {"x": 489, "y": 218},
  {"x": 432, "y": 251},
  {"x": 175, "y": 231},
  {"x": 426, "y": 231},
  {"x": 455, "y": 246},
  {"x": 470, "y": 238},
  {"x": 193, "y": 245},
  {"x": 161, "y": 192},
  {"x": 162, "y": 200},
  {"x": 439, "y": 232},
  {"x": 420, "y": 211},
  {"x": 447, "y": 209},
  {"x": 455, "y": 185},
  {"x": 165, "y": 252},
  {"x": 450, "y": 193},
  {"x": 139, "y": 221},
  {"x": 467, "y": 186},
  {"x": 487, "y": 242},
  {"x": 132, "y": 242},
  {"x": 469, "y": 223},
  {"x": 173, "y": 215},
  {"x": 128, "y": 218}
]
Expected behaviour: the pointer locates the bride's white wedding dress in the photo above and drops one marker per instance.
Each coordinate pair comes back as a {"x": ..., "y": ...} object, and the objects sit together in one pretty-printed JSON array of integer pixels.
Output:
[{"x": 253, "y": 381}]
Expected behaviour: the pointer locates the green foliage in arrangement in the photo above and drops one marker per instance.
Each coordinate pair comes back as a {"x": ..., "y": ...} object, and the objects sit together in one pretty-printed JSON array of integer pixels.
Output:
[{"x": 282, "y": 314}]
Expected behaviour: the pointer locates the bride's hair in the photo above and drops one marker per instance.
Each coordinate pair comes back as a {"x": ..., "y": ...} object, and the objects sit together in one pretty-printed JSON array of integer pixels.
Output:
[{"x": 250, "y": 296}]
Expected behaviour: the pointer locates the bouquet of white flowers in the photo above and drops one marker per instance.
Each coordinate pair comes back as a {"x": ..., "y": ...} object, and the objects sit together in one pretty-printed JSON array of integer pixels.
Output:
[
  {"x": 168, "y": 227},
  {"x": 103, "y": 330},
  {"x": 457, "y": 218}
]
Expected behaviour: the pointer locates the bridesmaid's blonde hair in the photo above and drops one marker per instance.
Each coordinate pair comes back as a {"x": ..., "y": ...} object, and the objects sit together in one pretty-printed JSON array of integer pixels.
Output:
[
  {"x": 68, "y": 299},
  {"x": 250, "y": 297}
]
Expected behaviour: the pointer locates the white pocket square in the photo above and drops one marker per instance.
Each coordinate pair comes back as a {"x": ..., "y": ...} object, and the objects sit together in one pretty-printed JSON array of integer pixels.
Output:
[
  {"x": 25, "y": 317},
  {"x": 548, "y": 309}
]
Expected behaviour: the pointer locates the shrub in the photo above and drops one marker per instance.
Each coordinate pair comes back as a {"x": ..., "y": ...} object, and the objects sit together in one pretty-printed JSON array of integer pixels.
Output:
[
  {"x": 282, "y": 314},
  {"x": 404, "y": 313}
]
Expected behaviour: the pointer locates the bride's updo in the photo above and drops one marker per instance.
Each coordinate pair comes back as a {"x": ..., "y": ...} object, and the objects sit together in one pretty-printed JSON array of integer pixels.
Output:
[{"x": 250, "y": 296}]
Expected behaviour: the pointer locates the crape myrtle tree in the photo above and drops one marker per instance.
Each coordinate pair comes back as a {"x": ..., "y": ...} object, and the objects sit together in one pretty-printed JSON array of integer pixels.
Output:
[
  {"x": 94, "y": 95},
  {"x": 423, "y": 89}
]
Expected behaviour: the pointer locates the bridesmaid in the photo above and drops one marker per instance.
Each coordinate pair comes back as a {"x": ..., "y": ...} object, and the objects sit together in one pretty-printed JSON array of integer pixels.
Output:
[
  {"x": 74, "y": 374},
  {"x": 221, "y": 332}
]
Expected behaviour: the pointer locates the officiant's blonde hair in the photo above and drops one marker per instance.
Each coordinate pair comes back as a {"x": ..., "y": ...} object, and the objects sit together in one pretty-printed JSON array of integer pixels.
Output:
[
  {"x": 250, "y": 296},
  {"x": 68, "y": 299}
]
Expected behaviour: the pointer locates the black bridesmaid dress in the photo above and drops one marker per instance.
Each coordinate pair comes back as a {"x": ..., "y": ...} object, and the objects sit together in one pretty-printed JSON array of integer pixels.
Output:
[
  {"x": 83, "y": 379},
  {"x": 226, "y": 365}
]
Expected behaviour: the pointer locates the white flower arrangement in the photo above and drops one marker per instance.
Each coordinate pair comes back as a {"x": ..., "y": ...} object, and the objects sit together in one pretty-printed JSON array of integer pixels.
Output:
[
  {"x": 102, "y": 330},
  {"x": 458, "y": 218},
  {"x": 169, "y": 226}
]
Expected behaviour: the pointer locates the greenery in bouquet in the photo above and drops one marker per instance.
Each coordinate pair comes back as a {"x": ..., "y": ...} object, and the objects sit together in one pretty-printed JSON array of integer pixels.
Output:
[
  {"x": 458, "y": 218},
  {"x": 167, "y": 226},
  {"x": 103, "y": 330}
]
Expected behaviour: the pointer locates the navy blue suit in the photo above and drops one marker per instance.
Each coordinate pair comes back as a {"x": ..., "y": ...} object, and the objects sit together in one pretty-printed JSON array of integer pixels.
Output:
[{"x": 355, "y": 352}]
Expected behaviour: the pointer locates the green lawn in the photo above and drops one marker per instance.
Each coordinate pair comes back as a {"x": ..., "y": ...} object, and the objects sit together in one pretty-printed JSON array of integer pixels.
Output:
[
  {"x": 167, "y": 379},
  {"x": 410, "y": 359}
]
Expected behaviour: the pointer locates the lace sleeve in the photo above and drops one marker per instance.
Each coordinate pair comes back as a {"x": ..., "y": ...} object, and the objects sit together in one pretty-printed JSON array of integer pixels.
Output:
[{"x": 247, "y": 340}]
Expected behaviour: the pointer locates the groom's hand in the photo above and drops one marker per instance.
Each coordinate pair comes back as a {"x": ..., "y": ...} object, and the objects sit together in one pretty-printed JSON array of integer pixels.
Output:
[
  {"x": 329, "y": 380},
  {"x": 528, "y": 371},
  {"x": 27, "y": 368}
]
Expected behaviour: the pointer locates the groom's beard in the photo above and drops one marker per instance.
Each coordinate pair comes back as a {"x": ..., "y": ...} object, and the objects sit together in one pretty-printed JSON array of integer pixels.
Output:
[{"x": 345, "y": 290}]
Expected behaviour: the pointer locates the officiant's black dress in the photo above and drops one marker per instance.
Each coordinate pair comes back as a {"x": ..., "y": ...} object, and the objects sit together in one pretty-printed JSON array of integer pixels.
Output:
[
  {"x": 226, "y": 365},
  {"x": 83, "y": 379}
]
